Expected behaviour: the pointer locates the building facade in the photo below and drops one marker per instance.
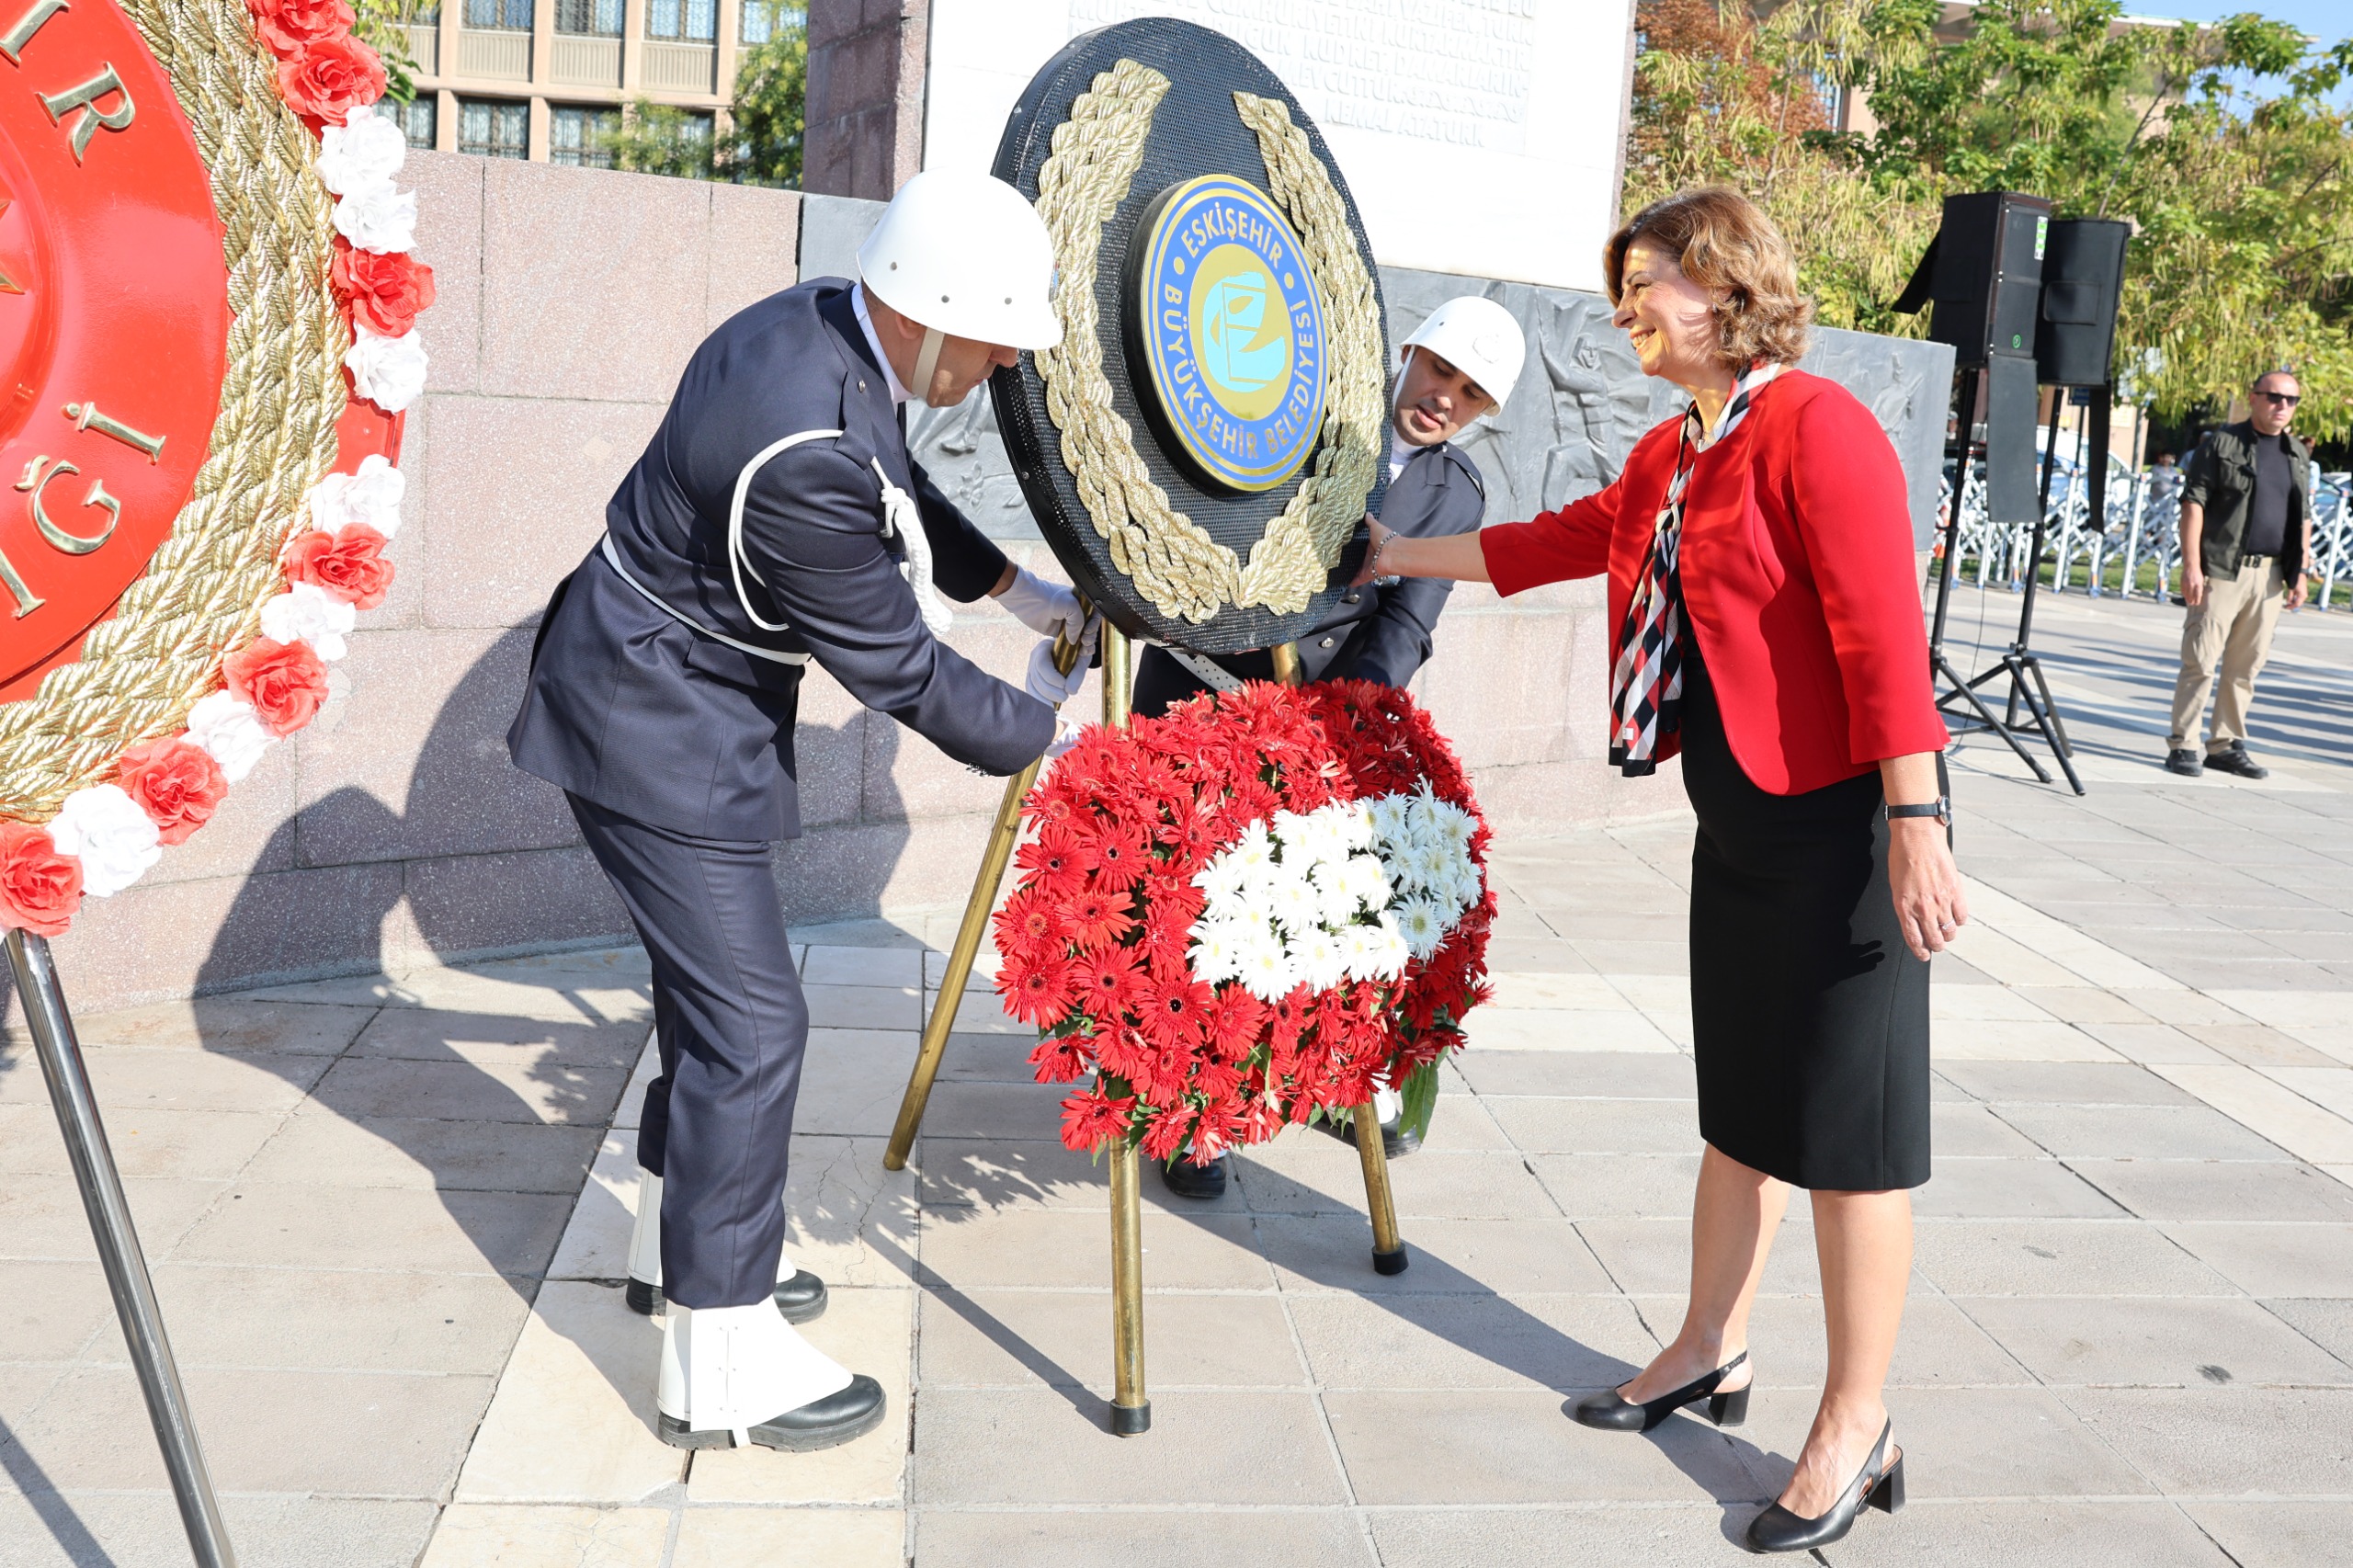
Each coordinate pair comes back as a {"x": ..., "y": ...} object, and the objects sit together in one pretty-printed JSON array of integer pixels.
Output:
[{"x": 544, "y": 80}]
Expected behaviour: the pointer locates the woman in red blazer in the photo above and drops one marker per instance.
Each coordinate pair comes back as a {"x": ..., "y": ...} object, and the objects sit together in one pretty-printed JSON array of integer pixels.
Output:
[{"x": 1767, "y": 628}]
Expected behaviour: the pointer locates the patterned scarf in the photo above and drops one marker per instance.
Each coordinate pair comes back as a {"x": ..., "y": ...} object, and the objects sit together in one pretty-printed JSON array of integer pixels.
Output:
[{"x": 1646, "y": 679}]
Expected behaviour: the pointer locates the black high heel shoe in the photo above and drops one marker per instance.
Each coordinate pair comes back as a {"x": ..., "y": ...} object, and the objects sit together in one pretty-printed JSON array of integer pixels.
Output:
[
  {"x": 1612, "y": 1411},
  {"x": 1778, "y": 1529}
]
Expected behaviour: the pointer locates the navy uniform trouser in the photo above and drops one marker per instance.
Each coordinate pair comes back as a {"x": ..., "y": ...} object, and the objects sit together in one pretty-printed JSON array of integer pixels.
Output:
[{"x": 732, "y": 1028}]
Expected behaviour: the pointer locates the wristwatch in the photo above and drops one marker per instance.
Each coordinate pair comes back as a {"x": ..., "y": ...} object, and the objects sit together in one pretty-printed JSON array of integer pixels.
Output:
[{"x": 1940, "y": 808}]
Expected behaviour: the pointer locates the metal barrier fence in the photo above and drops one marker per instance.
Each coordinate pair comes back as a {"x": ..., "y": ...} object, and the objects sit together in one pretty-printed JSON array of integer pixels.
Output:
[{"x": 2135, "y": 549}]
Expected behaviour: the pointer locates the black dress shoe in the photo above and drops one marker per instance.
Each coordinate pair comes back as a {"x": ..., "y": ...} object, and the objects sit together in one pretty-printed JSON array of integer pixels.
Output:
[
  {"x": 1778, "y": 1529},
  {"x": 2233, "y": 759},
  {"x": 1395, "y": 1143},
  {"x": 800, "y": 1299},
  {"x": 1186, "y": 1179},
  {"x": 820, "y": 1424},
  {"x": 1612, "y": 1411},
  {"x": 2186, "y": 763}
]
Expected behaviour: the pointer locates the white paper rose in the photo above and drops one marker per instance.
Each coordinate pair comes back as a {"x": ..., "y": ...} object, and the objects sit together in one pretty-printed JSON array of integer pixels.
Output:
[
  {"x": 377, "y": 218},
  {"x": 115, "y": 840},
  {"x": 365, "y": 153},
  {"x": 372, "y": 496},
  {"x": 312, "y": 614},
  {"x": 387, "y": 371},
  {"x": 230, "y": 731}
]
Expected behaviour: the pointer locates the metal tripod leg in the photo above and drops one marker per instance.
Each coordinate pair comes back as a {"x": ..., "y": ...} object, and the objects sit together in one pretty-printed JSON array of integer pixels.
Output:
[
  {"x": 1131, "y": 1406},
  {"x": 2026, "y": 678},
  {"x": 1967, "y": 691},
  {"x": 118, "y": 1242},
  {"x": 1388, "y": 1255}
]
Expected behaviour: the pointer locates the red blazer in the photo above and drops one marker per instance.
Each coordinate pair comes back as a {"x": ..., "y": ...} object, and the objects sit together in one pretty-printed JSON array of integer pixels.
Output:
[{"x": 1797, "y": 580}]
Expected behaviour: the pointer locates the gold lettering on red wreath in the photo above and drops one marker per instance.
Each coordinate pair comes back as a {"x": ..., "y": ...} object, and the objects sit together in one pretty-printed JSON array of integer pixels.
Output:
[
  {"x": 35, "y": 482},
  {"x": 13, "y": 43},
  {"x": 86, "y": 98}
]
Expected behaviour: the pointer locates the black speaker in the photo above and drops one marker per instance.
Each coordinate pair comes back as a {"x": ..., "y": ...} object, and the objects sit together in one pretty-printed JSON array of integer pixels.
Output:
[
  {"x": 1984, "y": 272},
  {"x": 2011, "y": 402},
  {"x": 2083, "y": 279}
]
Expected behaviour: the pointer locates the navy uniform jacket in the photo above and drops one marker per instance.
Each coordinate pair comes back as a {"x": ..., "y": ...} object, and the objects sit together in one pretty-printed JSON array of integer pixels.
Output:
[
  {"x": 646, "y": 716},
  {"x": 1375, "y": 632}
]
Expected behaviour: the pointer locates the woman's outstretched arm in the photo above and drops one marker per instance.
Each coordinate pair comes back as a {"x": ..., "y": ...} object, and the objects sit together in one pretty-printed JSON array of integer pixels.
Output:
[{"x": 1456, "y": 557}]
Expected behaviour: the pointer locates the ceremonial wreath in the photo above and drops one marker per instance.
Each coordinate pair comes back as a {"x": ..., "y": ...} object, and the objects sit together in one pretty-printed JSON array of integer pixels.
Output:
[
  {"x": 170, "y": 660},
  {"x": 1247, "y": 914}
]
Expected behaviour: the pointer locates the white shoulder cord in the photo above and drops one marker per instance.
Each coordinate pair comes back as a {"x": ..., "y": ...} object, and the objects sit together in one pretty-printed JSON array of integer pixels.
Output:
[{"x": 899, "y": 515}]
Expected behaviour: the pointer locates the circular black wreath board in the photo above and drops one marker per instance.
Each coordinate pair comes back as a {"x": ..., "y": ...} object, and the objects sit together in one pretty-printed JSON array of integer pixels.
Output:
[{"x": 1197, "y": 130}]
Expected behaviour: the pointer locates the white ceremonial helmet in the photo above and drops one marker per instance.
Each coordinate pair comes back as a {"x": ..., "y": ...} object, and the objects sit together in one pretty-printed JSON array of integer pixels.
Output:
[
  {"x": 1478, "y": 337},
  {"x": 966, "y": 255}
]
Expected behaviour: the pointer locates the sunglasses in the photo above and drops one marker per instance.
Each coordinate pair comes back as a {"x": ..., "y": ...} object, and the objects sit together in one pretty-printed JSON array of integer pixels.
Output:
[{"x": 2286, "y": 399}]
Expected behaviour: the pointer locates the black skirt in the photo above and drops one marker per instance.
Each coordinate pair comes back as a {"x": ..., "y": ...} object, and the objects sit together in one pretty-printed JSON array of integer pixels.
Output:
[{"x": 1810, "y": 1017}]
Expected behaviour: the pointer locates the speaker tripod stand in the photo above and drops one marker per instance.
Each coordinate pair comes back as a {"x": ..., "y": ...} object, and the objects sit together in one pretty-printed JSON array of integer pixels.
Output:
[{"x": 2018, "y": 661}]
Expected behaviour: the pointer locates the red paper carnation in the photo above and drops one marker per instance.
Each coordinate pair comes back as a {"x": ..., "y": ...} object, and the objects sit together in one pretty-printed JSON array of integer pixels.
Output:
[
  {"x": 39, "y": 889},
  {"x": 287, "y": 26},
  {"x": 348, "y": 563},
  {"x": 330, "y": 79},
  {"x": 284, "y": 681},
  {"x": 386, "y": 290},
  {"x": 176, "y": 783}
]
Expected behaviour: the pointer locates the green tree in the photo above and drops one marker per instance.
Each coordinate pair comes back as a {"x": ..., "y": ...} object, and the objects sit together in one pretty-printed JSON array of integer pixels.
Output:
[
  {"x": 378, "y": 24},
  {"x": 762, "y": 145}
]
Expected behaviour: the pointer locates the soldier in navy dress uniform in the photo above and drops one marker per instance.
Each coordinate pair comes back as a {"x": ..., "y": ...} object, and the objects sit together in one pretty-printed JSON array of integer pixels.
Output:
[
  {"x": 1459, "y": 365},
  {"x": 776, "y": 519}
]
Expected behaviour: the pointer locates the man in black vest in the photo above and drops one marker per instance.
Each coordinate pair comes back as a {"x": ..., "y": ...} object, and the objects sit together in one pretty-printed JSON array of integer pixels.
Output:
[
  {"x": 1382, "y": 631},
  {"x": 2246, "y": 514},
  {"x": 776, "y": 518}
]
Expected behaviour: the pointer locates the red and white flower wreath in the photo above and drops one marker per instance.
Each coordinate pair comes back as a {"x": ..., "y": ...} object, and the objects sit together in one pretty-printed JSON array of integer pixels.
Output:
[
  {"x": 1252, "y": 911},
  {"x": 105, "y": 836}
]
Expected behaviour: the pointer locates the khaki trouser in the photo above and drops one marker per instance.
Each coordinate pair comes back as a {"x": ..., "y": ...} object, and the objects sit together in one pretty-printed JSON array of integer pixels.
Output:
[{"x": 2234, "y": 627}]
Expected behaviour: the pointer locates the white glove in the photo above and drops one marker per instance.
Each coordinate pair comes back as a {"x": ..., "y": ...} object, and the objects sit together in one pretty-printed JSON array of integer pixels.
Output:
[
  {"x": 1048, "y": 685},
  {"x": 1065, "y": 736},
  {"x": 1040, "y": 606}
]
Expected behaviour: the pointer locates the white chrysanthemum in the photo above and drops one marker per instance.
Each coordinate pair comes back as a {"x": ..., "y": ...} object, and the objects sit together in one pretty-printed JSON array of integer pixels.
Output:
[
  {"x": 1289, "y": 828},
  {"x": 1293, "y": 902},
  {"x": 1267, "y": 973},
  {"x": 377, "y": 218},
  {"x": 368, "y": 151},
  {"x": 115, "y": 840},
  {"x": 1371, "y": 953},
  {"x": 1367, "y": 880},
  {"x": 1253, "y": 852},
  {"x": 1419, "y": 922},
  {"x": 372, "y": 496},
  {"x": 1356, "y": 825},
  {"x": 387, "y": 371},
  {"x": 230, "y": 731},
  {"x": 1217, "y": 951},
  {"x": 1221, "y": 877},
  {"x": 309, "y": 613},
  {"x": 1320, "y": 959}
]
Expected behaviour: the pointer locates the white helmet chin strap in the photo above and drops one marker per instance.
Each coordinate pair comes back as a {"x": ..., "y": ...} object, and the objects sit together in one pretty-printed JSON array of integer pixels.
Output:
[{"x": 927, "y": 362}]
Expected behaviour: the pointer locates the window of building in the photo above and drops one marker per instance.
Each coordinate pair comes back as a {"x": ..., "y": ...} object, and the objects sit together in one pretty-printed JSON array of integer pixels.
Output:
[
  {"x": 690, "y": 21},
  {"x": 414, "y": 119},
  {"x": 493, "y": 127},
  {"x": 511, "y": 15},
  {"x": 599, "y": 19},
  {"x": 577, "y": 135},
  {"x": 764, "y": 20}
]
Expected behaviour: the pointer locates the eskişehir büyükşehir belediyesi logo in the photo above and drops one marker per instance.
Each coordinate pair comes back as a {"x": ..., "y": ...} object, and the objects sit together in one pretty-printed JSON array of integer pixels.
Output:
[{"x": 1232, "y": 332}]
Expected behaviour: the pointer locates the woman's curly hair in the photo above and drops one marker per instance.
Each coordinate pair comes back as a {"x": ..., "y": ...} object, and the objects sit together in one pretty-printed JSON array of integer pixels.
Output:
[{"x": 1725, "y": 244}]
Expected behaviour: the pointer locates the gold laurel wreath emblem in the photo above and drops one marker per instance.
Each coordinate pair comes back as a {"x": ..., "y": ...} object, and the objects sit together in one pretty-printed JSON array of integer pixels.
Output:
[
  {"x": 282, "y": 395},
  {"x": 1171, "y": 560}
]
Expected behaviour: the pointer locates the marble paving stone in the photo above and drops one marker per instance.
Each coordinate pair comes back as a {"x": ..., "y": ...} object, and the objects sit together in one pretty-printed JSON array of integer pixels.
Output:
[
  {"x": 2227, "y": 1441},
  {"x": 988, "y": 1058},
  {"x": 1262, "y": 1538},
  {"x": 49, "y": 1311},
  {"x": 456, "y": 1233},
  {"x": 1023, "y": 1338},
  {"x": 596, "y": 1239},
  {"x": 971, "y": 1250},
  {"x": 1545, "y": 989},
  {"x": 1961, "y": 1442},
  {"x": 1658, "y": 1535},
  {"x": 85, "y": 1529},
  {"x": 1004, "y": 1173},
  {"x": 2138, "y": 1132},
  {"x": 2005, "y": 1039},
  {"x": 428, "y": 1035},
  {"x": 222, "y": 1024},
  {"x": 1402, "y": 1340},
  {"x": 147, "y": 1142},
  {"x": 1560, "y": 1028},
  {"x": 1615, "y": 1076},
  {"x": 2059, "y": 1083},
  {"x": 968, "y": 1109},
  {"x": 1973, "y": 1131},
  {"x": 2277, "y": 1534},
  {"x": 837, "y": 1538},
  {"x": 42, "y": 1217},
  {"x": 1460, "y": 1257},
  {"x": 573, "y": 1421},
  {"x": 981, "y": 1012},
  {"x": 2273, "y": 1258},
  {"x": 847, "y": 1219},
  {"x": 332, "y": 1320},
  {"x": 2328, "y": 1322},
  {"x": 2055, "y": 1533},
  {"x": 1430, "y": 1185},
  {"x": 2059, "y": 1257},
  {"x": 864, "y": 1006},
  {"x": 1543, "y": 1125},
  {"x": 505, "y": 1535},
  {"x": 2003, "y": 1189},
  {"x": 895, "y": 969},
  {"x": 852, "y": 1079},
  {"x": 2257, "y": 1045},
  {"x": 1499, "y": 1447},
  {"x": 2151, "y": 1043},
  {"x": 131, "y": 1079},
  {"x": 867, "y": 1331},
  {"x": 1653, "y": 1256},
  {"x": 2283, "y": 1115},
  {"x": 320, "y": 1147},
  {"x": 1939, "y": 1348},
  {"x": 1618, "y": 1187},
  {"x": 983, "y": 1446},
  {"x": 2175, "y": 1189},
  {"x": 2143, "y": 1343},
  {"x": 2081, "y": 1004},
  {"x": 462, "y": 1091}
]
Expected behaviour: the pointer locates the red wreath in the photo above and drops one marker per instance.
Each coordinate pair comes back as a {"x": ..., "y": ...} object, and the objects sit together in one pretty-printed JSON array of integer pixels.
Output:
[{"x": 1094, "y": 943}]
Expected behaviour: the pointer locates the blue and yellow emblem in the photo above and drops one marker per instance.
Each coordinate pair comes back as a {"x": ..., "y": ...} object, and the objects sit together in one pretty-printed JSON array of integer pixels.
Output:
[{"x": 1231, "y": 331}]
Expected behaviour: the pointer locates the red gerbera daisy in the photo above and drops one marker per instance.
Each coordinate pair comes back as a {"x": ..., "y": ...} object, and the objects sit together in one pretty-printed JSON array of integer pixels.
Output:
[
  {"x": 1106, "y": 984},
  {"x": 1096, "y": 919},
  {"x": 1052, "y": 861},
  {"x": 1171, "y": 1011},
  {"x": 1037, "y": 992},
  {"x": 1166, "y": 1133},
  {"x": 1091, "y": 1118},
  {"x": 1059, "y": 1058}
]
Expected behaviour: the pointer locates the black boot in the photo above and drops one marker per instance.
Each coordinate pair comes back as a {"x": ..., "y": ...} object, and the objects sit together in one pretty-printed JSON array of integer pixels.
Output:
[
  {"x": 800, "y": 1299},
  {"x": 2185, "y": 762},
  {"x": 1186, "y": 1179},
  {"x": 2232, "y": 759}
]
